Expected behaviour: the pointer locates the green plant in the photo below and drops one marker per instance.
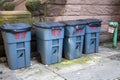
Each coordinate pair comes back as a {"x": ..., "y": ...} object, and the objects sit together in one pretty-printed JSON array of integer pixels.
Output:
[
  {"x": 33, "y": 5},
  {"x": 1, "y": 1},
  {"x": 8, "y": 6}
]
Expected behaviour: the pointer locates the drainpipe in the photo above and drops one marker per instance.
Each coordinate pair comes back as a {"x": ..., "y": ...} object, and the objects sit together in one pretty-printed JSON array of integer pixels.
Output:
[{"x": 115, "y": 26}]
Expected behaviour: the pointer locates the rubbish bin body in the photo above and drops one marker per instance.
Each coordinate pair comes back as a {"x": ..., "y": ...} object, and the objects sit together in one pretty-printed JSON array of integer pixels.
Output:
[
  {"x": 49, "y": 41},
  {"x": 73, "y": 41},
  {"x": 92, "y": 33},
  {"x": 17, "y": 44}
]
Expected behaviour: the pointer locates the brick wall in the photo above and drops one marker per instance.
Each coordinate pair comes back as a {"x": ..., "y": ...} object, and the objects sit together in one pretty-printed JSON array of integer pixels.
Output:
[{"x": 106, "y": 10}]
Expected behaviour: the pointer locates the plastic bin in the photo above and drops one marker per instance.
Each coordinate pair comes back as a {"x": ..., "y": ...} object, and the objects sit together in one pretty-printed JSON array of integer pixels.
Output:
[
  {"x": 17, "y": 44},
  {"x": 91, "y": 44},
  {"x": 49, "y": 41},
  {"x": 73, "y": 41}
]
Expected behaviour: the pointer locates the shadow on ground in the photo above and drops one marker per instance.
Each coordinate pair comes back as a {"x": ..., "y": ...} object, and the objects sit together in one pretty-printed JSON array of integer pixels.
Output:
[
  {"x": 115, "y": 57},
  {"x": 109, "y": 45}
]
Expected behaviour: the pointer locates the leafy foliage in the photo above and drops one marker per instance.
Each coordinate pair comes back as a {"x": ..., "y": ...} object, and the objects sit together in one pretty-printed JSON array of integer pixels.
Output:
[
  {"x": 1, "y": 1},
  {"x": 8, "y": 6},
  {"x": 33, "y": 5}
]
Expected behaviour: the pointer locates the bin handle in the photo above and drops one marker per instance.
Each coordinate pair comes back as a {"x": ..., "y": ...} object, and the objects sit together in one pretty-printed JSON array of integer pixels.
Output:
[
  {"x": 54, "y": 51},
  {"x": 98, "y": 24},
  {"x": 91, "y": 42},
  {"x": 59, "y": 28},
  {"x": 16, "y": 30},
  {"x": 20, "y": 55},
  {"x": 77, "y": 46},
  {"x": 77, "y": 29}
]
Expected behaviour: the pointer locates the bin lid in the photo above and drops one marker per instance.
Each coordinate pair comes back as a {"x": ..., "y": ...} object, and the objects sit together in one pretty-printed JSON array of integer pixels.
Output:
[
  {"x": 73, "y": 22},
  {"x": 48, "y": 24},
  {"x": 90, "y": 20},
  {"x": 16, "y": 27}
]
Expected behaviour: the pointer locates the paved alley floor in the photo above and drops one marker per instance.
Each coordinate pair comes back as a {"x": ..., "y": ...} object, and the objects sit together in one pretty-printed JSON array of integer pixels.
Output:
[{"x": 104, "y": 65}]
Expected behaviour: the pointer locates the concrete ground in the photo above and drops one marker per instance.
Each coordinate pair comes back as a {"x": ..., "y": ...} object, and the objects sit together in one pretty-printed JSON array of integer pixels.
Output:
[{"x": 104, "y": 65}]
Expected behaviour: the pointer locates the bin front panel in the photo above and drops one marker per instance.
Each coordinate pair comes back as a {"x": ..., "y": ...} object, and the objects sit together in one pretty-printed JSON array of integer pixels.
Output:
[
  {"x": 49, "y": 34},
  {"x": 76, "y": 30},
  {"x": 18, "y": 54},
  {"x": 54, "y": 54},
  {"x": 93, "y": 27},
  {"x": 16, "y": 37},
  {"x": 50, "y": 50},
  {"x": 20, "y": 58},
  {"x": 73, "y": 47},
  {"x": 91, "y": 43}
]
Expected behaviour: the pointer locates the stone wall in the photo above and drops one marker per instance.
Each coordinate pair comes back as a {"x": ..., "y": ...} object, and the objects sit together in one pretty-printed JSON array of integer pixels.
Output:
[
  {"x": 59, "y": 10},
  {"x": 106, "y": 10},
  {"x": 20, "y": 5}
]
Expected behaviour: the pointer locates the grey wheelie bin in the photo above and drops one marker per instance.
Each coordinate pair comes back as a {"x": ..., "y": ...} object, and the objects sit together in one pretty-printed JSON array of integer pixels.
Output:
[
  {"x": 74, "y": 39},
  {"x": 17, "y": 38},
  {"x": 49, "y": 41}
]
